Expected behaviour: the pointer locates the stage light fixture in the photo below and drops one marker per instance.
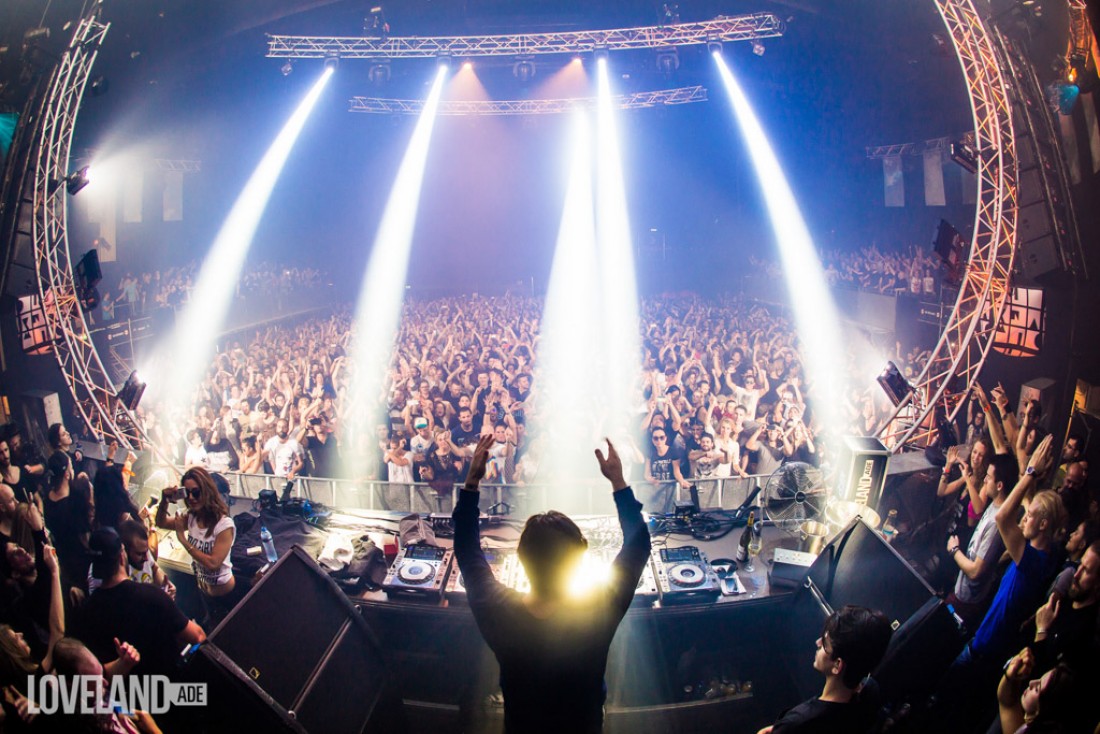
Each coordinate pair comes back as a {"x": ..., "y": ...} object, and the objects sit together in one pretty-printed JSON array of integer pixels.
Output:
[
  {"x": 600, "y": 53},
  {"x": 286, "y": 68},
  {"x": 524, "y": 69},
  {"x": 332, "y": 63},
  {"x": 100, "y": 86},
  {"x": 758, "y": 48},
  {"x": 75, "y": 182},
  {"x": 668, "y": 61},
  {"x": 443, "y": 61},
  {"x": 894, "y": 384},
  {"x": 714, "y": 45},
  {"x": 467, "y": 65},
  {"x": 131, "y": 391},
  {"x": 379, "y": 72}
]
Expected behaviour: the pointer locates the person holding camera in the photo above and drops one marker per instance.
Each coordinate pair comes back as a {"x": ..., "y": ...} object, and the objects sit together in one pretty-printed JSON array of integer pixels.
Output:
[{"x": 206, "y": 532}]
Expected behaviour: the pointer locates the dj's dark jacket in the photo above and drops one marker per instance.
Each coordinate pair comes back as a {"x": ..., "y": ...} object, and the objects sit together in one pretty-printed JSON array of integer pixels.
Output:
[{"x": 551, "y": 670}]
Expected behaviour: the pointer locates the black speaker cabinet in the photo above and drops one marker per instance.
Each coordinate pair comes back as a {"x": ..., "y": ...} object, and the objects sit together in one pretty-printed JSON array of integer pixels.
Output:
[
  {"x": 859, "y": 567},
  {"x": 295, "y": 655}
]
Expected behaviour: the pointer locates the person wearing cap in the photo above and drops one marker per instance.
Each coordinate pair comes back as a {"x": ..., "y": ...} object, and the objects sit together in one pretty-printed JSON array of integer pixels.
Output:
[
  {"x": 765, "y": 455},
  {"x": 121, "y": 609}
]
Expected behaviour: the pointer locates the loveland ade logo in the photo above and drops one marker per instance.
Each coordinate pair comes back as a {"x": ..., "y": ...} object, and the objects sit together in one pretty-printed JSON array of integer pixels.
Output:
[{"x": 89, "y": 694}]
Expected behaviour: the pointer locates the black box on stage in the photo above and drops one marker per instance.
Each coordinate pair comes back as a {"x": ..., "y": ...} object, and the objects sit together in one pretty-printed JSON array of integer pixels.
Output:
[
  {"x": 863, "y": 464},
  {"x": 859, "y": 567},
  {"x": 295, "y": 655}
]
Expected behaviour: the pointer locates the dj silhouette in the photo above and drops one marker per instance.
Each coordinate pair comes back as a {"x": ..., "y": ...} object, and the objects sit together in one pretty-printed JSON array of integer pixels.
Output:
[{"x": 551, "y": 646}]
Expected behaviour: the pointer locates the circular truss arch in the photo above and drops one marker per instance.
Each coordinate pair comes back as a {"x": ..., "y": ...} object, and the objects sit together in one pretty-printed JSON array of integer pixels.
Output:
[{"x": 968, "y": 335}]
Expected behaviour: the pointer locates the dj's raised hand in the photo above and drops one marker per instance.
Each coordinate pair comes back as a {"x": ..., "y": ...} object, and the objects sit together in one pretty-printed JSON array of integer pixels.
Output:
[
  {"x": 612, "y": 466},
  {"x": 480, "y": 458}
]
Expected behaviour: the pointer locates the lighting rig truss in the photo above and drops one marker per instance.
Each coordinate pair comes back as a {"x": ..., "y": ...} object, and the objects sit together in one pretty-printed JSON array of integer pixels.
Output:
[
  {"x": 962, "y": 348},
  {"x": 737, "y": 28},
  {"x": 681, "y": 95},
  {"x": 942, "y": 145},
  {"x": 179, "y": 166},
  {"x": 76, "y": 355}
]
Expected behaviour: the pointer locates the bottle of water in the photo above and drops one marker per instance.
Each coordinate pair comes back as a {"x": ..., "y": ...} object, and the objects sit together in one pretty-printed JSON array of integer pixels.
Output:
[
  {"x": 268, "y": 544},
  {"x": 890, "y": 527}
]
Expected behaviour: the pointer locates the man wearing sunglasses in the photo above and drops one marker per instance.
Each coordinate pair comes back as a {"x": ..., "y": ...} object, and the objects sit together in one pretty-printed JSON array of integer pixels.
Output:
[{"x": 662, "y": 467}]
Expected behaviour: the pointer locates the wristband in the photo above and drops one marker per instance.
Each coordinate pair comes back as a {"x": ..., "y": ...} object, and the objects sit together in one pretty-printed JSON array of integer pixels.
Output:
[
  {"x": 1040, "y": 631},
  {"x": 954, "y": 550}
]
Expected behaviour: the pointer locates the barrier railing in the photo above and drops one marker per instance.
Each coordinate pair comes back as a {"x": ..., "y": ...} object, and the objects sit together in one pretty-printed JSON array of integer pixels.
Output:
[{"x": 581, "y": 497}]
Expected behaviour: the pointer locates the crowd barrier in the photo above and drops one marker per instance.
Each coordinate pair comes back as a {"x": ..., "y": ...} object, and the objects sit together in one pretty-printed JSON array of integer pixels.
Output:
[{"x": 580, "y": 497}]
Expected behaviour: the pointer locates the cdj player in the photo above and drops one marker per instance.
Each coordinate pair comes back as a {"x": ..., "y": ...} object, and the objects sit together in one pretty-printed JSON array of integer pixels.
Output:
[
  {"x": 419, "y": 570},
  {"x": 500, "y": 563},
  {"x": 684, "y": 575}
]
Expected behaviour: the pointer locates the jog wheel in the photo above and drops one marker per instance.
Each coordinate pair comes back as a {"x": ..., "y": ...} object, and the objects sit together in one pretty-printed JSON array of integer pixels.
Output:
[
  {"x": 686, "y": 574},
  {"x": 416, "y": 572}
]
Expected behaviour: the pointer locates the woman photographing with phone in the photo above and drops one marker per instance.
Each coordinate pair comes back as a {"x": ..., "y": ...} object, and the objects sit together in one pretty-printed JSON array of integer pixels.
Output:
[{"x": 207, "y": 533}]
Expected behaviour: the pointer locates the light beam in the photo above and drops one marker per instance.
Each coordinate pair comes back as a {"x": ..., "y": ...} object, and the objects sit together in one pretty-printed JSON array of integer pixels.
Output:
[
  {"x": 618, "y": 288},
  {"x": 181, "y": 362},
  {"x": 378, "y": 312},
  {"x": 815, "y": 312}
]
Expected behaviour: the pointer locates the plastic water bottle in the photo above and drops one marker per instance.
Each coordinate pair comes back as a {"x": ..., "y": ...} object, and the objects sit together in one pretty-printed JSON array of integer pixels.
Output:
[
  {"x": 268, "y": 544},
  {"x": 890, "y": 527}
]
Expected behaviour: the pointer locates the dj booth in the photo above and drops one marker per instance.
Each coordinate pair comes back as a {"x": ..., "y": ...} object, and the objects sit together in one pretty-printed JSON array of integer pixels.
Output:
[{"x": 687, "y": 657}]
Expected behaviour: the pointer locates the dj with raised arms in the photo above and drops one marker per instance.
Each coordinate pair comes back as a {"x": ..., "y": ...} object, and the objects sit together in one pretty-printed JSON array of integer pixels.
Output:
[{"x": 552, "y": 647}]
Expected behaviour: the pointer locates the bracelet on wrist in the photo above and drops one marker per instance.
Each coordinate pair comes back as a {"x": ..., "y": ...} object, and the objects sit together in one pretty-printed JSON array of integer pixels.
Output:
[{"x": 1039, "y": 631}]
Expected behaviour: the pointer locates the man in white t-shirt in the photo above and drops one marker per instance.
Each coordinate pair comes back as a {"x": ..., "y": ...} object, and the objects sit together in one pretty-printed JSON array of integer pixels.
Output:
[{"x": 285, "y": 455}]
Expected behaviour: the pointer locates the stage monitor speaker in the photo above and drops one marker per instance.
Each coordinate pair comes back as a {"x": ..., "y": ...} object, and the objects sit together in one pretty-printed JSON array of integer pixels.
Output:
[
  {"x": 299, "y": 656},
  {"x": 859, "y": 567}
]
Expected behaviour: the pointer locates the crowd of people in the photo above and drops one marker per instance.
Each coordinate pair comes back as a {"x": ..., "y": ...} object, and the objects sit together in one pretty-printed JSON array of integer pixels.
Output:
[
  {"x": 722, "y": 393},
  {"x": 1019, "y": 558},
  {"x": 915, "y": 271},
  {"x": 80, "y": 589},
  {"x": 138, "y": 294},
  {"x": 723, "y": 378}
]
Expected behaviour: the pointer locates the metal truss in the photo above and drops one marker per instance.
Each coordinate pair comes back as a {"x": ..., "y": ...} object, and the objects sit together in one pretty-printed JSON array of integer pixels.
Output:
[
  {"x": 182, "y": 166},
  {"x": 968, "y": 336},
  {"x": 72, "y": 341},
  {"x": 681, "y": 95},
  {"x": 737, "y": 28},
  {"x": 899, "y": 149}
]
